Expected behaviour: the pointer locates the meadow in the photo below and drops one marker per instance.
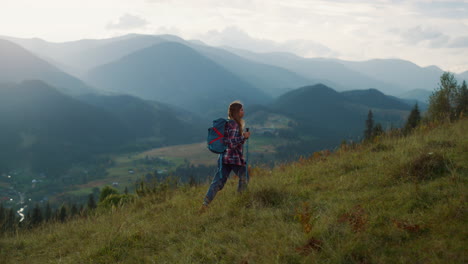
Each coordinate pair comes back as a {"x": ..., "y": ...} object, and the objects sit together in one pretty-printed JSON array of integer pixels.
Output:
[{"x": 398, "y": 199}]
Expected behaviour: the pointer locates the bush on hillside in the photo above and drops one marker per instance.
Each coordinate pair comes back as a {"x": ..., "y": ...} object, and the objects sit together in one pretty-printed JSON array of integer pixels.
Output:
[
  {"x": 117, "y": 200},
  {"x": 425, "y": 166},
  {"x": 266, "y": 197},
  {"x": 106, "y": 191},
  {"x": 379, "y": 147},
  {"x": 436, "y": 144}
]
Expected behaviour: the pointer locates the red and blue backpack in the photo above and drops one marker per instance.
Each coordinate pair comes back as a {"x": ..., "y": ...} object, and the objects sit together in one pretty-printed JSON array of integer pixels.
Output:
[{"x": 215, "y": 137}]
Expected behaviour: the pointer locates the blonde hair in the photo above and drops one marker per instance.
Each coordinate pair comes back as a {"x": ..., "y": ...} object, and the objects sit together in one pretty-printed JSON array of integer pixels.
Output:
[{"x": 233, "y": 114}]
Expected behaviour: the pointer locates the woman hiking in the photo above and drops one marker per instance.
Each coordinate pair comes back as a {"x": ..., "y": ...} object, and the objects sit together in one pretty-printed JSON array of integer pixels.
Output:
[{"x": 232, "y": 159}]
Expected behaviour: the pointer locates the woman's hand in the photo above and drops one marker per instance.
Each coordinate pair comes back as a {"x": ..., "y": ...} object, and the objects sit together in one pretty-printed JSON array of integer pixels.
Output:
[{"x": 246, "y": 135}]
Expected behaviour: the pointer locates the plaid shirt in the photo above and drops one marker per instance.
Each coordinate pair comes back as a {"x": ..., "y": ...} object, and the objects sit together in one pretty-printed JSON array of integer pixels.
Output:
[{"x": 234, "y": 141}]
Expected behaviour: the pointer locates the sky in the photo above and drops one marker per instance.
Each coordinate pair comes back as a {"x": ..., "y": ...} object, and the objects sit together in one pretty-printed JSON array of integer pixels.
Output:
[{"x": 426, "y": 32}]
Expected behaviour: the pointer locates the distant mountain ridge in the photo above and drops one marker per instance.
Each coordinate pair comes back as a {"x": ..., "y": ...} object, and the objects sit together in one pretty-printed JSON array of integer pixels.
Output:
[
  {"x": 176, "y": 74},
  {"x": 274, "y": 73},
  {"x": 18, "y": 64},
  {"x": 391, "y": 76},
  {"x": 93, "y": 53}
]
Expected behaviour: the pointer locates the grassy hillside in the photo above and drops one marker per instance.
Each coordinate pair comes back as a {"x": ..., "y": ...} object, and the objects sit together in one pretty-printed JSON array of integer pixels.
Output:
[{"x": 398, "y": 200}]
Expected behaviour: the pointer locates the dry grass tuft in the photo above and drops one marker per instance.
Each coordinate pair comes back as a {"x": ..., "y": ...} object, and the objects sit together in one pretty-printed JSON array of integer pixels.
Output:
[
  {"x": 357, "y": 218},
  {"x": 426, "y": 166}
]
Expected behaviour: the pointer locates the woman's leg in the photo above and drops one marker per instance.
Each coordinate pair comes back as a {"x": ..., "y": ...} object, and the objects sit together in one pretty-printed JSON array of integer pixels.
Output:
[
  {"x": 243, "y": 181},
  {"x": 217, "y": 184}
]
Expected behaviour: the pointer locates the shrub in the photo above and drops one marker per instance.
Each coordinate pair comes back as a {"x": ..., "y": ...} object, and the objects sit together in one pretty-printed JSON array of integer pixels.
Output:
[
  {"x": 381, "y": 147},
  {"x": 106, "y": 191},
  {"x": 117, "y": 200},
  {"x": 435, "y": 144},
  {"x": 268, "y": 197},
  {"x": 424, "y": 167}
]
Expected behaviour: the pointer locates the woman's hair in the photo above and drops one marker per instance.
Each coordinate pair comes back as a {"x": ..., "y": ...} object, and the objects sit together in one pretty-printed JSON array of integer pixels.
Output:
[{"x": 233, "y": 114}]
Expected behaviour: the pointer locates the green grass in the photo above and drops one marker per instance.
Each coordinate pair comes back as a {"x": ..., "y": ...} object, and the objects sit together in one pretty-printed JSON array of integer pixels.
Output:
[{"x": 361, "y": 205}]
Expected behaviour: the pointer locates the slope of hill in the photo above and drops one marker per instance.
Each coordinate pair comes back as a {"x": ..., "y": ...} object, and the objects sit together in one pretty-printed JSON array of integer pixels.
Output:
[
  {"x": 150, "y": 119},
  {"x": 401, "y": 199},
  {"x": 18, "y": 64},
  {"x": 173, "y": 73}
]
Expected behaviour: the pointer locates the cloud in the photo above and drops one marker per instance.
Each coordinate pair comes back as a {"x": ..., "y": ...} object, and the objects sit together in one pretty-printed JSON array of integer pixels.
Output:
[
  {"x": 158, "y": 1},
  {"x": 448, "y": 9},
  {"x": 460, "y": 42},
  {"x": 167, "y": 30},
  {"x": 423, "y": 35},
  {"x": 235, "y": 37},
  {"x": 128, "y": 21},
  {"x": 419, "y": 33}
]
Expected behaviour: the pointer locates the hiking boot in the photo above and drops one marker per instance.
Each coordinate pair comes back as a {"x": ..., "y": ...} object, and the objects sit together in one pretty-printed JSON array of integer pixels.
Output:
[{"x": 203, "y": 209}]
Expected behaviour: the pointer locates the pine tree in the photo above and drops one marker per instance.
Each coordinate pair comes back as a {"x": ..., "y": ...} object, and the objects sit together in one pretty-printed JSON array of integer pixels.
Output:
[
  {"x": 369, "y": 126},
  {"x": 91, "y": 202},
  {"x": 62, "y": 216},
  {"x": 413, "y": 119},
  {"x": 82, "y": 210},
  {"x": 36, "y": 217},
  {"x": 377, "y": 130},
  {"x": 48, "y": 212},
  {"x": 10, "y": 220},
  {"x": 2, "y": 217},
  {"x": 27, "y": 221},
  {"x": 192, "y": 180},
  {"x": 74, "y": 210},
  {"x": 462, "y": 100}
]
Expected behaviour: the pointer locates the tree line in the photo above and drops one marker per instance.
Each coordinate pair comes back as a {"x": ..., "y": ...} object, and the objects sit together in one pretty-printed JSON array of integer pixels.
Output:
[
  {"x": 11, "y": 222},
  {"x": 449, "y": 102}
]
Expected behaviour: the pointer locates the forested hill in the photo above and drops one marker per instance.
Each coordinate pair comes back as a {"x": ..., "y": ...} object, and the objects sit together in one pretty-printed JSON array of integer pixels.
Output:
[
  {"x": 393, "y": 199},
  {"x": 325, "y": 113},
  {"x": 48, "y": 131}
]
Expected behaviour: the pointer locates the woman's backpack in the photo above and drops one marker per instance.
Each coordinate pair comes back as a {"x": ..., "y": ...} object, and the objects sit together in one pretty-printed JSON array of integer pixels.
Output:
[{"x": 215, "y": 137}]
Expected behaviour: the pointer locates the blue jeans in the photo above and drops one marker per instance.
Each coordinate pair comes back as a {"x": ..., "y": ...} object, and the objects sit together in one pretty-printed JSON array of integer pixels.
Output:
[{"x": 219, "y": 180}]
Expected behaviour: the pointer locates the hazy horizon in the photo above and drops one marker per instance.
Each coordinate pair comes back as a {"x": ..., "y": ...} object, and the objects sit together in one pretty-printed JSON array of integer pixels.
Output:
[{"x": 423, "y": 32}]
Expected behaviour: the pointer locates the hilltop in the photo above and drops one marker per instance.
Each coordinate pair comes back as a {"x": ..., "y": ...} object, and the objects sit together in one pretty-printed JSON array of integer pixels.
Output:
[{"x": 397, "y": 199}]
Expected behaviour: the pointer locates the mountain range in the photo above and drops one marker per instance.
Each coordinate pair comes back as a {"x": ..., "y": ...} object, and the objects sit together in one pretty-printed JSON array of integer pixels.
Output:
[
  {"x": 146, "y": 91},
  {"x": 273, "y": 73},
  {"x": 176, "y": 74}
]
